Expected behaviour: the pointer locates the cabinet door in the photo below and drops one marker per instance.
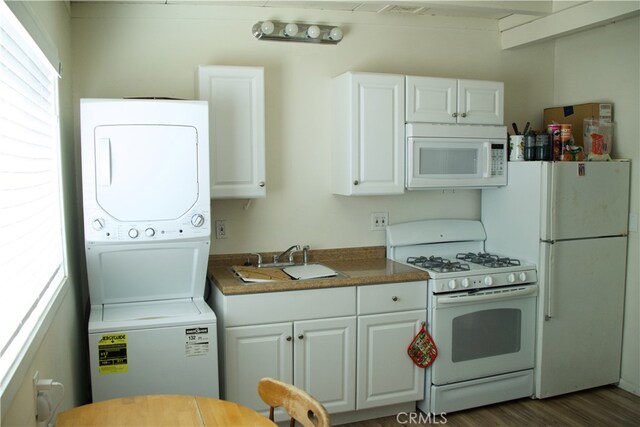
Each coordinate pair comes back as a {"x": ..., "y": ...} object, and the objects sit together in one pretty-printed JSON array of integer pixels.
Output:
[
  {"x": 236, "y": 130},
  {"x": 386, "y": 375},
  {"x": 325, "y": 361},
  {"x": 252, "y": 353},
  {"x": 369, "y": 137},
  {"x": 431, "y": 99},
  {"x": 480, "y": 102}
]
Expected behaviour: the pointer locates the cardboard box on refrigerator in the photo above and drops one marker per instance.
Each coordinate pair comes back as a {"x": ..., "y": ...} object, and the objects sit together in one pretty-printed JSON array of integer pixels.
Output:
[{"x": 575, "y": 115}]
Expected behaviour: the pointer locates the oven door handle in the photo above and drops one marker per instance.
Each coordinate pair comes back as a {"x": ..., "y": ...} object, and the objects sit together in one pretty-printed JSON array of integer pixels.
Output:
[{"x": 494, "y": 296}]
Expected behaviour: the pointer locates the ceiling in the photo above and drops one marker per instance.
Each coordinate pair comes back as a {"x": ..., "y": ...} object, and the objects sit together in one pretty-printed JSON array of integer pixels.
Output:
[{"x": 473, "y": 8}]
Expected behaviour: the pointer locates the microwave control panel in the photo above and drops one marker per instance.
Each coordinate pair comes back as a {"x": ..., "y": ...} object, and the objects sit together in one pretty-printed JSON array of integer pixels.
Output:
[{"x": 498, "y": 160}]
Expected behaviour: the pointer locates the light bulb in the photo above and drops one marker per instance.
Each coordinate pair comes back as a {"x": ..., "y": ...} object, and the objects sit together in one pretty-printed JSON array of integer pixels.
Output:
[
  {"x": 267, "y": 27},
  {"x": 313, "y": 32},
  {"x": 290, "y": 30},
  {"x": 335, "y": 34}
]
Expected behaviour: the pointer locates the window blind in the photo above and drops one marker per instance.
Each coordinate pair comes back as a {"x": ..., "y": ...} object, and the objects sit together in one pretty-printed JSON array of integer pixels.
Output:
[{"x": 31, "y": 230}]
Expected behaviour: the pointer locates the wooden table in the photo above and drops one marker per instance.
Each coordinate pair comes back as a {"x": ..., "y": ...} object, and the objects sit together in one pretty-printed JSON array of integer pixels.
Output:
[{"x": 162, "y": 410}]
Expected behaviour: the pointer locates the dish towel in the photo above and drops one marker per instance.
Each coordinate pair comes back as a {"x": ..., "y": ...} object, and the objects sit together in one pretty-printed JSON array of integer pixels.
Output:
[{"x": 422, "y": 349}]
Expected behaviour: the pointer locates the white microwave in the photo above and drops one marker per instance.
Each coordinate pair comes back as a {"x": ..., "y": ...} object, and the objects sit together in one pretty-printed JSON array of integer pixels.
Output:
[{"x": 452, "y": 156}]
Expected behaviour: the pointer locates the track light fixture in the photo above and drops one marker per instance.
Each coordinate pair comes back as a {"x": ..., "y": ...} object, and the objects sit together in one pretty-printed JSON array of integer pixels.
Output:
[{"x": 308, "y": 33}]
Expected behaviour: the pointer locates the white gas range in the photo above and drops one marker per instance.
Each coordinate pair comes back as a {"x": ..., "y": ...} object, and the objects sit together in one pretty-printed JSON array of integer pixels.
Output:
[{"x": 481, "y": 313}]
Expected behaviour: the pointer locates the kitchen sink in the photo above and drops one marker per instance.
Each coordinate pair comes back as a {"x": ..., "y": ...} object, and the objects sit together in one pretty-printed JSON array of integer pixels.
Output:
[{"x": 250, "y": 275}]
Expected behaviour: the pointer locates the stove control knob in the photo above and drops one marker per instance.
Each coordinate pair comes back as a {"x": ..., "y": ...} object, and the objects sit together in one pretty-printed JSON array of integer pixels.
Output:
[
  {"x": 522, "y": 276},
  {"x": 133, "y": 233},
  {"x": 488, "y": 280},
  {"x": 150, "y": 232},
  {"x": 452, "y": 284},
  {"x": 197, "y": 220},
  {"x": 511, "y": 278},
  {"x": 465, "y": 283},
  {"x": 98, "y": 224}
]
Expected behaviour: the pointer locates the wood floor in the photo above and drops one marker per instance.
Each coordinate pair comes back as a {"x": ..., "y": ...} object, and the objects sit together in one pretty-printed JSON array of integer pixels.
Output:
[{"x": 604, "y": 406}]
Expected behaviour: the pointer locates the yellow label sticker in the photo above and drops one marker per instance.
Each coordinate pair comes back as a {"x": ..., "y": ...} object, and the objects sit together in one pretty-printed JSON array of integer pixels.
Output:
[{"x": 112, "y": 354}]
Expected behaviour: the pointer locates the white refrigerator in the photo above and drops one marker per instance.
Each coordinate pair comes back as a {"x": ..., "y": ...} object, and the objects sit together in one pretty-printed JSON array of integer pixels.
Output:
[{"x": 570, "y": 218}]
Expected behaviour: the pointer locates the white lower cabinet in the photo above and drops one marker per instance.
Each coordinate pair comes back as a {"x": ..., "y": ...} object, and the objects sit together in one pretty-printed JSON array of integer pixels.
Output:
[
  {"x": 345, "y": 346},
  {"x": 324, "y": 361},
  {"x": 317, "y": 356},
  {"x": 254, "y": 352},
  {"x": 386, "y": 375}
]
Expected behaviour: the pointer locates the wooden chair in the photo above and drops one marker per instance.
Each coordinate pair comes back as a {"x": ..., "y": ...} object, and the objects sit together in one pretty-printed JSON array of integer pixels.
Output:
[{"x": 300, "y": 405}]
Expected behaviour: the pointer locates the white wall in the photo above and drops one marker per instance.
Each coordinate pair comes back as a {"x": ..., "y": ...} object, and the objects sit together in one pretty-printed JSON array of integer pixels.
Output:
[
  {"x": 61, "y": 354},
  {"x": 603, "y": 64},
  {"x": 154, "y": 50}
]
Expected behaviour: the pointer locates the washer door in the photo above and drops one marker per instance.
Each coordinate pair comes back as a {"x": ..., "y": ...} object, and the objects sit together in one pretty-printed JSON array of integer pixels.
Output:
[
  {"x": 146, "y": 172},
  {"x": 146, "y": 271}
]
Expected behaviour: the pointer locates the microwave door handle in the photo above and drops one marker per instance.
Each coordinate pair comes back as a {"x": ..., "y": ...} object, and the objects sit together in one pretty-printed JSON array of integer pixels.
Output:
[{"x": 487, "y": 167}]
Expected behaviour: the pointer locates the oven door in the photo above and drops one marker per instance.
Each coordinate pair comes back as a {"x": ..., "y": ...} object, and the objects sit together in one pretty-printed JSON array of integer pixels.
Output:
[{"x": 484, "y": 333}]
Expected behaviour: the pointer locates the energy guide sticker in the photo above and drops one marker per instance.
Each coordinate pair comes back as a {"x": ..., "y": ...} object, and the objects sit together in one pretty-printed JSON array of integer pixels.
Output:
[
  {"x": 112, "y": 354},
  {"x": 196, "y": 341}
]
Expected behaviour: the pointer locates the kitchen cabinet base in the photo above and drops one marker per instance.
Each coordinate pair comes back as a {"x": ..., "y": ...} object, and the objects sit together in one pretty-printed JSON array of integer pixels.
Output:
[{"x": 401, "y": 410}]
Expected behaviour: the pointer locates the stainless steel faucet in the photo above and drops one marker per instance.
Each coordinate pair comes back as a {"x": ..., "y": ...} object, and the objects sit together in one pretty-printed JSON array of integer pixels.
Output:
[
  {"x": 258, "y": 260},
  {"x": 305, "y": 254},
  {"x": 276, "y": 258}
]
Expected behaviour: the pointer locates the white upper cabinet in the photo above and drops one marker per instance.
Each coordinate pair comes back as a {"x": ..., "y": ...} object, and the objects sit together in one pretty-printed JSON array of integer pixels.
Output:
[
  {"x": 368, "y": 139},
  {"x": 236, "y": 129},
  {"x": 442, "y": 100}
]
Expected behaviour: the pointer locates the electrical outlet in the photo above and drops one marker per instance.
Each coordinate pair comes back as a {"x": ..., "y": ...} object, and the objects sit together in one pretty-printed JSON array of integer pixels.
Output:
[
  {"x": 379, "y": 220},
  {"x": 221, "y": 229}
]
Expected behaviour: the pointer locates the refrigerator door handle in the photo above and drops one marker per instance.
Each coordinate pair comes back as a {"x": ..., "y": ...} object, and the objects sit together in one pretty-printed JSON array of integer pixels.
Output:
[
  {"x": 553, "y": 197},
  {"x": 547, "y": 283}
]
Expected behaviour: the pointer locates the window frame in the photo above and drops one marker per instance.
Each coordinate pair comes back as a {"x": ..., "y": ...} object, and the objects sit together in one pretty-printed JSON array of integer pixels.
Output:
[{"x": 24, "y": 344}]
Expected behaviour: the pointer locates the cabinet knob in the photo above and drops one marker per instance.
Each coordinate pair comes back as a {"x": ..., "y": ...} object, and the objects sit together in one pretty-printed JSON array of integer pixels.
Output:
[
  {"x": 289, "y": 338},
  {"x": 301, "y": 336},
  {"x": 454, "y": 115},
  {"x": 463, "y": 115},
  {"x": 394, "y": 298},
  {"x": 356, "y": 182},
  {"x": 261, "y": 184}
]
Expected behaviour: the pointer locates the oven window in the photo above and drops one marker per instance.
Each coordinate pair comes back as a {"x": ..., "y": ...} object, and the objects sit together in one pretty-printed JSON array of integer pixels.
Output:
[{"x": 486, "y": 333}]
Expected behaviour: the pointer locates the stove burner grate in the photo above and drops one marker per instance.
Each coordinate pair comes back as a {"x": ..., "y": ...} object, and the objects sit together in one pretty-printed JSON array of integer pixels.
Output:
[
  {"x": 438, "y": 264},
  {"x": 488, "y": 260}
]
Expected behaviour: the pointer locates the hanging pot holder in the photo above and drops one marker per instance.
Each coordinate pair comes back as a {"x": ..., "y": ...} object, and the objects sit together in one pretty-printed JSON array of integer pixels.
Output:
[{"x": 422, "y": 349}]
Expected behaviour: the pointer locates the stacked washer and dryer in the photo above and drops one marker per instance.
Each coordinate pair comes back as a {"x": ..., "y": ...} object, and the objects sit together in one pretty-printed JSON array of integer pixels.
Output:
[{"x": 145, "y": 172}]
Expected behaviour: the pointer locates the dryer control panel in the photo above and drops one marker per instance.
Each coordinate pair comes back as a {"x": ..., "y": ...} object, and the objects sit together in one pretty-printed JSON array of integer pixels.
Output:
[{"x": 100, "y": 227}]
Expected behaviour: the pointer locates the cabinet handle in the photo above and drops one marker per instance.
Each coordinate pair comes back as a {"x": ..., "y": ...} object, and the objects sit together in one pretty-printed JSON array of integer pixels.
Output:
[
  {"x": 289, "y": 338},
  {"x": 463, "y": 115},
  {"x": 356, "y": 182},
  {"x": 261, "y": 184},
  {"x": 454, "y": 115},
  {"x": 300, "y": 336},
  {"x": 394, "y": 298}
]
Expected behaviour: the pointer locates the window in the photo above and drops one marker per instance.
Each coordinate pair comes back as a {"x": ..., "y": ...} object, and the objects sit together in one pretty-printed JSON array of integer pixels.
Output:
[{"x": 32, "y": 257}]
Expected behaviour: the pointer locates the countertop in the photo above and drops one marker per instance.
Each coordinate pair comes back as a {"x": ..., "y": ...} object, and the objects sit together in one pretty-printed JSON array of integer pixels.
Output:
[{"x": 358, "y": 266}]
